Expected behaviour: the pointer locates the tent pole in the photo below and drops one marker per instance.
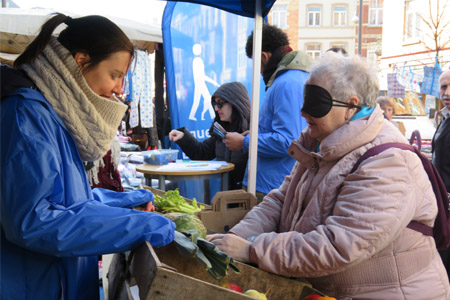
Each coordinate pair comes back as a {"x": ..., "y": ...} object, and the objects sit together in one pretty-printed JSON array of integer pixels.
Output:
[{"x": 253, "y": 148}]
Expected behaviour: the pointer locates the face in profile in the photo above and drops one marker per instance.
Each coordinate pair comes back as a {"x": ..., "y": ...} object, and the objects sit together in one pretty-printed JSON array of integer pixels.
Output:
[
  {"x": 336, "y": 116},
  {"x": 444, "y": 89},
  {"x": 223, "y": 109},
  {"x": 106, "y": 78}
]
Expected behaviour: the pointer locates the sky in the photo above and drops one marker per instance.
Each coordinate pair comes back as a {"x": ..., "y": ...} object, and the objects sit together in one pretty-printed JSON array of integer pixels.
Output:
[{"x": 143, "y": 11}]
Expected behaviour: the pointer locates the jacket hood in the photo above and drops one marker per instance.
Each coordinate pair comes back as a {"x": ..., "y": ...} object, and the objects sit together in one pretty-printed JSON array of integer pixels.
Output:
[
  {"x": 13, "y": 79},
  {"x": 294, "y": 60},
  {"x": 236, "y": 94}
]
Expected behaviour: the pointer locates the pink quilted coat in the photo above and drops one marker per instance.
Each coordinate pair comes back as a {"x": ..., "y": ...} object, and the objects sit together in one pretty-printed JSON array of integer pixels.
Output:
[{"x": 347, "y": 233}]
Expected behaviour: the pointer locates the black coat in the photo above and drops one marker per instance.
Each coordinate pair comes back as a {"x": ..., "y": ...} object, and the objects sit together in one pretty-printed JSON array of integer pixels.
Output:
[
  {"x": 441, "y": 146},
  {"x": 211, "y": 148},
  {"x": 236, "y": 94}
]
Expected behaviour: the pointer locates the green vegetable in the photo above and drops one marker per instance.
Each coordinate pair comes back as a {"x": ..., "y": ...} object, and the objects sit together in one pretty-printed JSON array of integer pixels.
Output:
[
  {"x": 205, "y": 253},
  {"x": 184, "y": 245},
  {"x": 220, "y": 261},
  {"x": 186, "y": 222},
  {"x": 173, "y": 202}
]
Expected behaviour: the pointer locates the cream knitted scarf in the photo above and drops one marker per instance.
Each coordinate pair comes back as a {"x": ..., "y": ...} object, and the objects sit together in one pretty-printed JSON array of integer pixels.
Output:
[{"x": 91, "y": 119}]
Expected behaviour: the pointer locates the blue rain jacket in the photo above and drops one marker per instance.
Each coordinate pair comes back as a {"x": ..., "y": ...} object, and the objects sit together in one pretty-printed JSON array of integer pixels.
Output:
[
  {"x": 280, "y": 123},
  {"x": 53, "y": 226}
]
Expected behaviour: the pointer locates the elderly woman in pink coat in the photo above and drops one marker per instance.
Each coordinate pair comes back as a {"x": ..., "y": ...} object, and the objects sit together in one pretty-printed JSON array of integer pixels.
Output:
[{"x": 346, "y": 232}]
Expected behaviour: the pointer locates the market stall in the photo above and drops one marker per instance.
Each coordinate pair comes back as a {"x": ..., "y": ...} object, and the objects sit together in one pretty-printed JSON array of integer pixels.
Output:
[{"x": 20, "y": 26}]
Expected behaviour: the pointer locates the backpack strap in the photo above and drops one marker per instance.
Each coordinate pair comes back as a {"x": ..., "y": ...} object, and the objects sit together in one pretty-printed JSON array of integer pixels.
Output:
[
  {"x": 438, "y": 187},
  {"x": 380, "y": 148}
]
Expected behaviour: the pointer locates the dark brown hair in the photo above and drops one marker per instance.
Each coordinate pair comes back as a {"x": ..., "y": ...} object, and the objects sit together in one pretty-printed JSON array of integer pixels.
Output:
[
  {"x": 95, "y": 35},
  {"x": 272, "y": 39}
]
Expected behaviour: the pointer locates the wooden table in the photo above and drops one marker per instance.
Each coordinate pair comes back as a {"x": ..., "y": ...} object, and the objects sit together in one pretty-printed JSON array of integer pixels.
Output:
[{"x": 151, "y": 171}]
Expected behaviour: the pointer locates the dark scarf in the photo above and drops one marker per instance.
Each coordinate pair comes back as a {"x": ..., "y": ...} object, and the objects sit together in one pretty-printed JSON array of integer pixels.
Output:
[{"x": 274, "y": 60}]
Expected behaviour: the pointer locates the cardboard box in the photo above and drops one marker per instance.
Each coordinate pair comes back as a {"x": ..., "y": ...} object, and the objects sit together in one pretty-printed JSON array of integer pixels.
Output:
[
  {"x": 227, "y": 209},
  {"x": 163, "y": 274},
  {"x": 160, "y": 156}
]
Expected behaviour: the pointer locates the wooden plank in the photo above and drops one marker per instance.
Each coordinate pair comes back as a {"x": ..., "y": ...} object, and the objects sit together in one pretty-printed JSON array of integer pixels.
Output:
[
  {"x": 144, "y": 266},
  {"x": 191, "y": 281},
  {"x": 170, "y": 285},
  {"x": 117, "y": 286}
]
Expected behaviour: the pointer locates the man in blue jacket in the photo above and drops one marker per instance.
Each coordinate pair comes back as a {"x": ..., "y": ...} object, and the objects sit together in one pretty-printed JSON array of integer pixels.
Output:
[{"x": 284, "y": 72}]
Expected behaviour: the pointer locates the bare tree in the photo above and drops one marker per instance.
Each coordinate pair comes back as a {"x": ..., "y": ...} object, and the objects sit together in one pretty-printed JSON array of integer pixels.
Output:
[{"x": 438, "y": 27}]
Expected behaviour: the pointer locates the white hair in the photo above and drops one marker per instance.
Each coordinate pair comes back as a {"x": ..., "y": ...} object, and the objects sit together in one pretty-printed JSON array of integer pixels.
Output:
[{"x": 347, "y": 76}]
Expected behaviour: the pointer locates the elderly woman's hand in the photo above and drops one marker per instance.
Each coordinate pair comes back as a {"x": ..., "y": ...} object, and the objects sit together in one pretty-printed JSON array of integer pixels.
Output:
[
  {"x": 233, "y": 245},
  {"x": 175, "y": 135}
]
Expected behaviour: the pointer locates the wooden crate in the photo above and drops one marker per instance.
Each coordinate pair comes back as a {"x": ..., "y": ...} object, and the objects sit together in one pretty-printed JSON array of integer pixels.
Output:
[{"x": 162, "y": 274}]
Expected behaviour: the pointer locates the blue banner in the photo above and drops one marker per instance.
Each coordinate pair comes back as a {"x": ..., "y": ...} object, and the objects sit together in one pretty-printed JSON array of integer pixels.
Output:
[{"x": 204, "y": 47}]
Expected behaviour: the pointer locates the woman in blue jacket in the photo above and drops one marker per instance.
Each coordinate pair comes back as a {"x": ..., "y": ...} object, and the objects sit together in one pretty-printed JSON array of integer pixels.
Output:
[{"x": 59, "y": 109}]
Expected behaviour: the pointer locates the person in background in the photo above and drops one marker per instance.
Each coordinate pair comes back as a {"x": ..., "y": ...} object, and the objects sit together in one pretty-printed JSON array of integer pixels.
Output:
[
  {"x": 388, "y": 108},
  {"x": 284, "y": 72},
  {"x": 346, "y": 230},
  {"x": 441, "y": 146},
  {"x": 232, "y": 107},
  {"x": 58, "y": 109}
]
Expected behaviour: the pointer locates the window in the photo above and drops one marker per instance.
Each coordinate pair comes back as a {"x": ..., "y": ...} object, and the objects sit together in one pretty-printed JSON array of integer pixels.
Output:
[
  {"x": 279, "y": 16},
  {"x": 339, "y": 16},
  {"x": 376, "y": 13},
  {"x": 313, "y": 50},
  {"x": 372, "y": 55},
  {"x": 314, "y": 13},
  {"x": 339, "y": 45},
  {"x": 412, "y": 21}
]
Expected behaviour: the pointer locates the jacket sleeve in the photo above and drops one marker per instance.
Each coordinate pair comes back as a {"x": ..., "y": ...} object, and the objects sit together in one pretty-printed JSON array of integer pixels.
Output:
[
  {"x": 47, "y": 205},
  {"x": 265, "y": 217},
  {"x": 205, "y": 150},
  {"x": 122, "y": 199},
  {"x": 285, "y": 102},
  {"x": 372, "y": 209}
]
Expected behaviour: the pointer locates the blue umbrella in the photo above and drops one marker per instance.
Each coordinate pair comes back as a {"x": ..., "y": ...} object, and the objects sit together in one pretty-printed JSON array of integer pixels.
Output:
[{"x": 255, "y": 9}]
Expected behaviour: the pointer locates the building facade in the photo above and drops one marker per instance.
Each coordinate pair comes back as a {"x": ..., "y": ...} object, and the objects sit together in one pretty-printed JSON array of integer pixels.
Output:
[
  {"x": 413, "y": 44},
  {"x": 325, "y": 24},
  {"x": 313, "y": 26}
]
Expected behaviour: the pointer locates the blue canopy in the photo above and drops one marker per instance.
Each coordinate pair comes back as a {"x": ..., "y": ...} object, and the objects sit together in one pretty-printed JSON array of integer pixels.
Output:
[{"x": 244, "y": 8}]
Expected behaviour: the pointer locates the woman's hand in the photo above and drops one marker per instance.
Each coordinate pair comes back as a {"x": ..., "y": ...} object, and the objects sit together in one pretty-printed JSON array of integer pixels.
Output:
[
  {"x": 175, "y": 135},
  {"x": 234, "y": 141},
  {"x": 233, "y": 245}
]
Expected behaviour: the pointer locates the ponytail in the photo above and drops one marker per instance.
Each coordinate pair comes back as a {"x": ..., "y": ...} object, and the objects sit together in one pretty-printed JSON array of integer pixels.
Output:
[
  {"x": 40, "y": 42},
  {"x": 96, "y": 36}
]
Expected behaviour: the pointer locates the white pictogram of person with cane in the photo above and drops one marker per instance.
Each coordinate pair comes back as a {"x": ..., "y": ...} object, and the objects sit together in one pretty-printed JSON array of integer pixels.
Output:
[{"x": 200, "y": 88}]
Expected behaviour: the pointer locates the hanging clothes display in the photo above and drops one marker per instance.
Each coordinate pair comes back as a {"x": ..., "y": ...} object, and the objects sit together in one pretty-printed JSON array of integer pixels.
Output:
[
  {"x": 430, "y": 84},
  {"x": 139, "y": 90},
  {"x": 395, "y": 89}
]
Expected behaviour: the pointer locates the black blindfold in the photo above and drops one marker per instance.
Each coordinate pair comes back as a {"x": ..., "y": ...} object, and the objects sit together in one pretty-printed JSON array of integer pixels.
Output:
[{"x": 317, "y": 102}]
